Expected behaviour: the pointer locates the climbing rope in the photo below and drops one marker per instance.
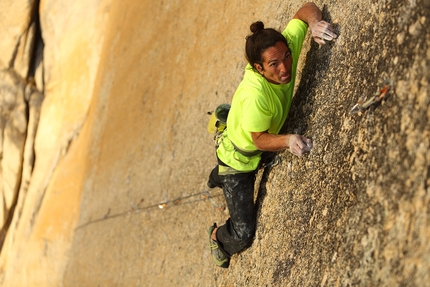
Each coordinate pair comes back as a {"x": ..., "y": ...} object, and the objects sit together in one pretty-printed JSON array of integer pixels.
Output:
[{"x": 204, "y": 195}]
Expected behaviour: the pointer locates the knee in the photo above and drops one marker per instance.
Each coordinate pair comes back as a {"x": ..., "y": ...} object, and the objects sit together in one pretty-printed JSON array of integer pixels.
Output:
[
  {"x": 245, "y": 235},
  {"x": 214, "y": 179}
]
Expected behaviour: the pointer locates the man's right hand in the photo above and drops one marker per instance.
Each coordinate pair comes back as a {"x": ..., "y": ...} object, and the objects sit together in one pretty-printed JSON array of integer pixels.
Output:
[{"x": 298, "y": 144}]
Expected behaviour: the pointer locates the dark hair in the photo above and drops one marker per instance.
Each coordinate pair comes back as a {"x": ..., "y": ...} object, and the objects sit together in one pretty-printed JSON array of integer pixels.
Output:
[{"x": 259, "y": 41}]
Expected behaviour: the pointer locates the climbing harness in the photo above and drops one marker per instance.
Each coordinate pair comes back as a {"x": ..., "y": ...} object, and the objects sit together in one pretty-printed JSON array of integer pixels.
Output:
[
  {"x": 218, "y": 122},
  {"x": 362, "y": 105},
  {"x": 217, "y": 126}
]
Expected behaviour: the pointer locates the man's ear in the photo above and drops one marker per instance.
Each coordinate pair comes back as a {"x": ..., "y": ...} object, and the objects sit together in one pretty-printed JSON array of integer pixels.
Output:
[{"x": 259, "y": 68}]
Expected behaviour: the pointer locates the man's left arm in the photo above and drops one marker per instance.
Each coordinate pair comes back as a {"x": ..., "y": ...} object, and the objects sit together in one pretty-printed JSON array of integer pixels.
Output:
[
  {"x": 297, "y": 144},
  {"x": 322, "y": 31}
]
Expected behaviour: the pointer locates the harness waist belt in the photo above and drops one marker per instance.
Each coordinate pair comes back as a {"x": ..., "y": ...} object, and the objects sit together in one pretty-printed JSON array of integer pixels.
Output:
[{"x": 246, "y": 153}]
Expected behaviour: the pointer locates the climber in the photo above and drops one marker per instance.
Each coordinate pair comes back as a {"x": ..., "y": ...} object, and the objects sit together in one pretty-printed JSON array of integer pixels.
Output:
[{"x": 258, "y": 111}]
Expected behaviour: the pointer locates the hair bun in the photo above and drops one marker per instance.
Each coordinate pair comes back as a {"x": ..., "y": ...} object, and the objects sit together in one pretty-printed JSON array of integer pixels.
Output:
[{"x": 256, "y": 26}]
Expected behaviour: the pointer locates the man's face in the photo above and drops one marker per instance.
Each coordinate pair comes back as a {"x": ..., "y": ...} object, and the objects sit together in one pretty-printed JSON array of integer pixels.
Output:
[{"x": 277, "y": 64}]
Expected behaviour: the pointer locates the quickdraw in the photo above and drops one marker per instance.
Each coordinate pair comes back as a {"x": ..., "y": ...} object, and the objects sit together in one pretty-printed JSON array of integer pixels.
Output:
[{"x": 362, "y": 105}]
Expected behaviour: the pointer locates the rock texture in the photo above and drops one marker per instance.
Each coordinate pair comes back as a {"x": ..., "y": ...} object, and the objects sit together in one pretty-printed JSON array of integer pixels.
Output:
[
  {"x": 51, "y": 55},
  {"x": 110, "y": 125},
  {"x": 13, "y": 124}
]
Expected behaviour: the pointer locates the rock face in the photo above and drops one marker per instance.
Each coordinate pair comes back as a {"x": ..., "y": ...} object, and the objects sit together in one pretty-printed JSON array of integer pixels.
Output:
[
  {"x": 51, "y": 54},
  {"x": 13, "y": 123},
  {"x": 103, "y": 120},
  {"x": 20, "y": 65}
]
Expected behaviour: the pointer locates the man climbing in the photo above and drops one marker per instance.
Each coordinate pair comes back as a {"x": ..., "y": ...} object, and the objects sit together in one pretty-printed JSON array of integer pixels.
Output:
[{"x": 258, "y": 111}]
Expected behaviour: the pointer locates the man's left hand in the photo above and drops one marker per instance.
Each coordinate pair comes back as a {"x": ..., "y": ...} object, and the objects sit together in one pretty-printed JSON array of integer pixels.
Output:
[
  {"x": 322, "y": 31},
  {"x": 299, "y": 144}
]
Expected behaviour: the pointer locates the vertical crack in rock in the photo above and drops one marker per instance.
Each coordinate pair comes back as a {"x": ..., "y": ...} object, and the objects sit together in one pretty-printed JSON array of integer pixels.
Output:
[
  {"x": 14, "y": 122},
  {"x": 36, "y": 56},
  {"x": 21, "y": 100}
]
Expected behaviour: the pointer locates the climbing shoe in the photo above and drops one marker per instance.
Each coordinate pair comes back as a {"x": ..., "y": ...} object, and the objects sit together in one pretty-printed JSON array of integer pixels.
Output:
[{"x": 218, "y": 256}]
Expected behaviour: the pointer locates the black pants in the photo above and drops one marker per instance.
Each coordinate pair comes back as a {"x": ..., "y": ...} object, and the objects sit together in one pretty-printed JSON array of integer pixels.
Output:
[{"x": 238, "y": 232}]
